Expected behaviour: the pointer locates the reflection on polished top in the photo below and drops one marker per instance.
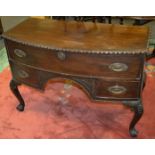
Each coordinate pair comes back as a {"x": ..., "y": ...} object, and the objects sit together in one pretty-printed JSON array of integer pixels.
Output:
[{"x": 81, "y": 36}]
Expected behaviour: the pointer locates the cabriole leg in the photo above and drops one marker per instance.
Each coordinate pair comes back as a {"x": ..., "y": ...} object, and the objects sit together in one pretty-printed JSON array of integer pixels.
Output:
[
  {"x": 138, "y": 112},
  {"x": 14, "y": 88},
  {"x": 138, "y": 109}
]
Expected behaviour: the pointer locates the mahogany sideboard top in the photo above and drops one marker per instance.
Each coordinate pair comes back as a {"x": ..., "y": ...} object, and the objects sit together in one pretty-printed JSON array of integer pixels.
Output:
[
  {"x": 81, "y": 36},
  {"x": 106, "y": 60}
]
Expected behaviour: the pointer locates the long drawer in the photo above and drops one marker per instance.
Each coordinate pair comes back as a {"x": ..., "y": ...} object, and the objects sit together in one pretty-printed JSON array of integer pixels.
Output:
[
  {"x": 84, "y": 64},
  {"x": 101, "y": 89}
]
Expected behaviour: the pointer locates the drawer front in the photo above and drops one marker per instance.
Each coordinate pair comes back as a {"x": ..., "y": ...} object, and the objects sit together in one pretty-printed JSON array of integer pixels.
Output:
[
  {"x": 101, "y": 89},
  {"x": 25, "y": 74},
  {"x": 107, "y": 65},
  {"x": 117, "y": 90}
]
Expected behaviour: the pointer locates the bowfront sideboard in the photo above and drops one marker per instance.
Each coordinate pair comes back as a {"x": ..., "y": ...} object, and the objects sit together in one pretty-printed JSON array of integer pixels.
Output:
[{"x": 106, "y": 60}]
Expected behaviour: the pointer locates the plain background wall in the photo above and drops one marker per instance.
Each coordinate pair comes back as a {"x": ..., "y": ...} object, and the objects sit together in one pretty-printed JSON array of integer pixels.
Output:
[{"x": 11, "y": 21}]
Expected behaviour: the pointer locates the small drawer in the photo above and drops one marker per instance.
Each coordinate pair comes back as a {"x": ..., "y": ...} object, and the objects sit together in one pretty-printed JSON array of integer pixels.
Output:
[
  {"x": 78, "y": 64},
  {"x": 25, "y": 74},
  {"x": 116, "y": 89}
]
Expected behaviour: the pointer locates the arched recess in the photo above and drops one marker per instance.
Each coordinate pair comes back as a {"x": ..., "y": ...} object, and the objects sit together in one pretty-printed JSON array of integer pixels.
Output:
[{"x": 85, "y": 83}]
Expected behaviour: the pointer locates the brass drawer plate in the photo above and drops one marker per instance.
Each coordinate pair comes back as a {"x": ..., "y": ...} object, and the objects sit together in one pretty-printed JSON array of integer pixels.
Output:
[
  {"x": 23, "y": 74},
  {"x": 118, "y": 67},
  {"x": 19, "y": 53},
  {"x": 61, "y": 55},
  {"x": 117, "y": 89}
]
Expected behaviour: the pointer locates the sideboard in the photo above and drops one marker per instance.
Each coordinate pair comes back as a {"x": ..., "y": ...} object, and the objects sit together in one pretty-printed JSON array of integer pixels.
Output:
[{"x": 106, "y": 60}]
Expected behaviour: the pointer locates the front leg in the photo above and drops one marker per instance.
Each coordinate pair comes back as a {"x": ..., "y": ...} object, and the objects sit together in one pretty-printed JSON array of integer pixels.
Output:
[
  {"x": 138, "y": 108},
  {"x": 14, "y": 88},
  {"x": 138, "y": 112}
]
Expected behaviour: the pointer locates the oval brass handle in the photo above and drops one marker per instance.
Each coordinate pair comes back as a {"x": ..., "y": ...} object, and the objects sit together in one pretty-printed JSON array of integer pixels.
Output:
[
  {"x": 19, "y": 53},
  {"x": 117, "y": 89},
  {"x": 118, "y": 67},
  {"x": 23, "y": 74},
  {"x": 61, "y": 55}
]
